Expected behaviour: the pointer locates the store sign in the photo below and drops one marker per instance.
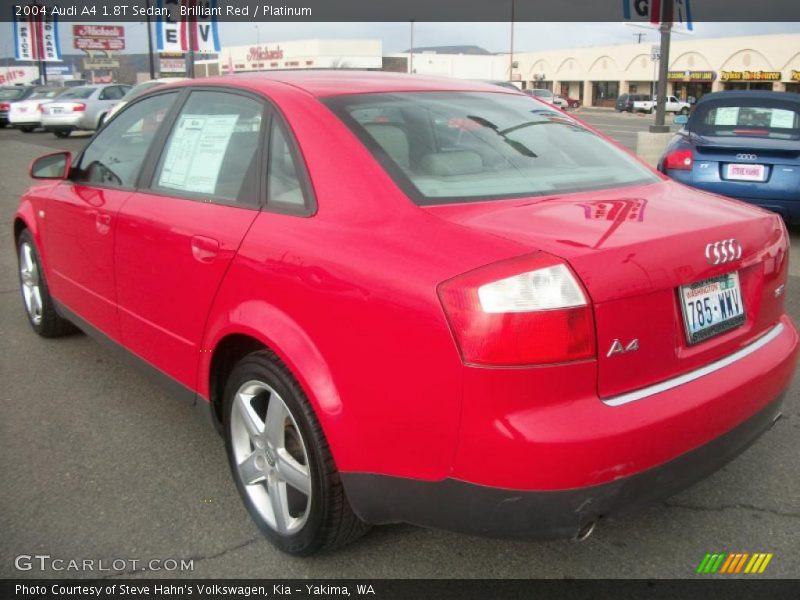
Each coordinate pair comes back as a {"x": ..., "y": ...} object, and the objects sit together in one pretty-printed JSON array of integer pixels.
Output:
[
  {"x": 185, "y": 25},
  {"x": 750, "y": 76},
  {"x": 691, "y": 76},
  {"x": 98, "y": 37},
  {"x": 257, "y": 53},
  {"x": 795, "y": 75},
  {"x": 172, "y": 65},
  {"x": 99, "y": 62}
]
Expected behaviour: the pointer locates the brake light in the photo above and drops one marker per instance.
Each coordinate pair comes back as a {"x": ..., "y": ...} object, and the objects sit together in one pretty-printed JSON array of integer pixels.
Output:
[
  {"x": 78, "y": 107},
  {"x": 528, "y": 310},
  {"x": 679, "y": 159},
  {"x": 5, "y": 106}
]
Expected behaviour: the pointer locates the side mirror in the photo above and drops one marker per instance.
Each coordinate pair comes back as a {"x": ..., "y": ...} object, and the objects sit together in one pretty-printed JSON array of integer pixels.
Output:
[
  {"x": 51, "y": 166},
  {"x": 680, "y": 119}
]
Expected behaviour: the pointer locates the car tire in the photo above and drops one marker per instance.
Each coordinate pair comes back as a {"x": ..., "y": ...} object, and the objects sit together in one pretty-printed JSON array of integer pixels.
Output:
[
  {"x": 36, "y": 298},
  {"x": 276, "y": 448},
  {"x": 27, "y": 129},
  {"x": 684, "y": 111},
  {"x": 62, "y": 134}
]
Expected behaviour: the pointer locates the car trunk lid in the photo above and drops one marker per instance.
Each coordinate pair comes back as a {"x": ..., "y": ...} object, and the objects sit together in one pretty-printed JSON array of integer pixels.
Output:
[{"x": 633, "y": 248}]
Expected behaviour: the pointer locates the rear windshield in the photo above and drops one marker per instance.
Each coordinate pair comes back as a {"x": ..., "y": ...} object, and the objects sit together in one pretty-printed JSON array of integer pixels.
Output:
[
  {"x": 459, "y": 146},
  {"x": 78, "y": 92},
  {"x": 774, "y": 119},
  {"x": 52, "y": 93},
  {"x": 11, "y": 93}
]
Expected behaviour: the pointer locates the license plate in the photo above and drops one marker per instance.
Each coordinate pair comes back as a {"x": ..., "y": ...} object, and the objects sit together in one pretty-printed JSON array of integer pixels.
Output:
[
  {"x": 56, "y": 110},
  {"x": 746, "y": 172},
  {"x": 712, "y": 306}
]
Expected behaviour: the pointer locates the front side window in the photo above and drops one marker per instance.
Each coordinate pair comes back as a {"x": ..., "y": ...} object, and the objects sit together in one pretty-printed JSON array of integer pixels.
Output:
[
  {"x": 460, "y": 146},
  {"x": 115, "y": 156},
  {"x": 213, "y": 148}
]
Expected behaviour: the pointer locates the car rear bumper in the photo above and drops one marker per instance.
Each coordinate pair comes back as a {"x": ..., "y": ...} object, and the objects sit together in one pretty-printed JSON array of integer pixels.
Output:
[
  {"x": 537, "y": 463},
  {"x": 495, "y": 512},
  {"x": 63, "y": 122}
]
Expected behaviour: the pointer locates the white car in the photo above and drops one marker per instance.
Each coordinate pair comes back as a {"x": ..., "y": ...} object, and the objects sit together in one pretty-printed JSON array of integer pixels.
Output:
[
  {"x": 139, "y": 89},
  {"x": 548, "y": 96},
  {"x": 82, "y": 108},
  {"x": 672, "y": 105},
  {"x": 26, "y": 115}
]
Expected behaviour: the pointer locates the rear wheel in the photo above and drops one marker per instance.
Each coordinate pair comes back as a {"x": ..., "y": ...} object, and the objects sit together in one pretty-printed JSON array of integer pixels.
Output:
[
  {"x": 281, "y": 462},
  {"x": 62, "y": 133},
  {"x": 35, "y": 296},
  {"x": 27, "y": 129}
]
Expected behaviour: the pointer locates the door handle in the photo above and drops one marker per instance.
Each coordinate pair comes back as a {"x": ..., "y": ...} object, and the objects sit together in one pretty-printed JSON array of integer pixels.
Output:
[
  {"x": 204, "y": 249},
  {"x": 103, "y": 223}
]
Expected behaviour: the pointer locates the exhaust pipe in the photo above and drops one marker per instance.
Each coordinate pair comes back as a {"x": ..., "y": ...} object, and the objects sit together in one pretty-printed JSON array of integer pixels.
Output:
[{"x": 585, "y": 531}]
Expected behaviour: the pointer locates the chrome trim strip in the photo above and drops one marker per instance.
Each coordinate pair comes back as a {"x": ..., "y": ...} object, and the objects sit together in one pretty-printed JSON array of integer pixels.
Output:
[{"x": 698, "y": 373}]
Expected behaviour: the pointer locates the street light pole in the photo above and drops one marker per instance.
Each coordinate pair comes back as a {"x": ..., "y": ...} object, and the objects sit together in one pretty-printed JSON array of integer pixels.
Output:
[
  {"x": 511, "y": 49},
  {"x": 411, "y": 50},
  {"x": 150, "y": 57}
]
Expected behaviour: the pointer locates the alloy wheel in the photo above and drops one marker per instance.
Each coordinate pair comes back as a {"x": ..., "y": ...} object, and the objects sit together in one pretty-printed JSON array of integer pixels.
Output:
[
  {"x": 29, "y": 278},
  {"x": 271, "y": 457}
]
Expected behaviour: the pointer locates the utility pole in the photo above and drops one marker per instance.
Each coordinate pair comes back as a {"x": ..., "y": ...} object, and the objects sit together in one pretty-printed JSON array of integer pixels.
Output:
[
  {"x": 511, "y": 49},
  {"x": 411, "y": 50},
  {"x": 150, "y": 56},
  {"x": 663, "y": 67},
  {"x": 190, "y": 53}
]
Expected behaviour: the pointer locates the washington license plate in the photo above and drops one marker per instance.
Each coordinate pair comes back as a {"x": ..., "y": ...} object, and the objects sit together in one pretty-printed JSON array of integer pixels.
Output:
[{"x": 711, "y": 307}]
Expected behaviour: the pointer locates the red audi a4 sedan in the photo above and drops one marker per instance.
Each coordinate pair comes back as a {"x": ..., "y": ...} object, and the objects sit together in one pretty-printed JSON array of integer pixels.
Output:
[{"x": 408, "y": 299}]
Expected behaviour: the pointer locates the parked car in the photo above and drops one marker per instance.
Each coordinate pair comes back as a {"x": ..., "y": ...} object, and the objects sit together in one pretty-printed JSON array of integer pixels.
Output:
[
  {"x": 548, "y": 96},
  {"x": 138, "y": 90},
  {"x": 672, "y": 104},
  {"x": 9, "y": 94},
  {"x": 81, "y": 108},
  {"x": 403, "y": 299},
  {"x": 572, "y": 102},
  {"x": 744, "y": 144},
  {"x": 625, "y": 101},
  {"x": 26, "y": 115}
]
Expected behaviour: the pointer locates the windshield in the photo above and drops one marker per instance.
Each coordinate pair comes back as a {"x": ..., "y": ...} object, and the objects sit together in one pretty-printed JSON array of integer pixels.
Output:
[
  {"x": 460, "y": 146},
  {"x": 82, "y": 92},
  {"x": 11, "y": 93},
  {"x": 762, "y": 118}
]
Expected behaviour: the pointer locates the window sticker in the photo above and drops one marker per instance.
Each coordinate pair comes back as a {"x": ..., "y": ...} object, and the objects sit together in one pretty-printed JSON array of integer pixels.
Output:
[
  {"x": 727, "y": 115},
  {"x": 195, "y": 152},
  {"x": 781, "y": 119}
]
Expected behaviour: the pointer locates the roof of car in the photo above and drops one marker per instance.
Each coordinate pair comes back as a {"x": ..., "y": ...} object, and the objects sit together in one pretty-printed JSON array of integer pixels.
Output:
[
  {"x": 750, "y": 95},
  {"x": 334, "y": 82}
]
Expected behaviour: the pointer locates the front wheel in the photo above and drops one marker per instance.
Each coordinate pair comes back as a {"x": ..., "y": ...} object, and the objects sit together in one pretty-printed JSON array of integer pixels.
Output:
[
  {"x": 281, "y": 462},
  {"x": 36, "y": 298},
  {"x": 62, "y": 133},
  {"x": 684, "y": 111}
]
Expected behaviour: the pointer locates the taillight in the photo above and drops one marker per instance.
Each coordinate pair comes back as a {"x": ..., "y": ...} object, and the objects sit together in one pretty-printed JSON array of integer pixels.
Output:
[
  {"x": 679, "y": 159},
  {"x": 4, "y": 106},
  {"x": 78, "y": 107},
  {"x": 529, "y": 310}
]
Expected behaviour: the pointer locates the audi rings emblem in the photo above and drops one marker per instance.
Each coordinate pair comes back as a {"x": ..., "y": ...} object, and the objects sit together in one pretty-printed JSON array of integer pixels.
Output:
[
  {"x": 747, "y": 156},
  {"x": 719, "y": 253}
]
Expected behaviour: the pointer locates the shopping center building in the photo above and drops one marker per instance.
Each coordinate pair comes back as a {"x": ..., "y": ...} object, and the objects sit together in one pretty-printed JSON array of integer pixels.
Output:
[{"x": 597, "y": 75}]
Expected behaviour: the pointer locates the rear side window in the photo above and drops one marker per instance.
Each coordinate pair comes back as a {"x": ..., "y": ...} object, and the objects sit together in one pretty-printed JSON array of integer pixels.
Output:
[
  {"x": 459, "y": 146},
  {"x": 284, "y": 184},
  {"x": 212, "y": 149},
  {"x": 114, "y": 157},
  {"x": 749, "y": 118}
]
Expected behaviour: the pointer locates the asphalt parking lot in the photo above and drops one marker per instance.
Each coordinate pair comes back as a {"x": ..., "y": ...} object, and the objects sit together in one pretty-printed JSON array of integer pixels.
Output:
[
  {"x": 98, "y": 463},
  {"x": 622, "y": 127}
]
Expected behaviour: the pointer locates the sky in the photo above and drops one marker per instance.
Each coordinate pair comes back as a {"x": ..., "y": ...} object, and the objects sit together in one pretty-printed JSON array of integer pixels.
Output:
[{"x": 395, "y": 36}]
